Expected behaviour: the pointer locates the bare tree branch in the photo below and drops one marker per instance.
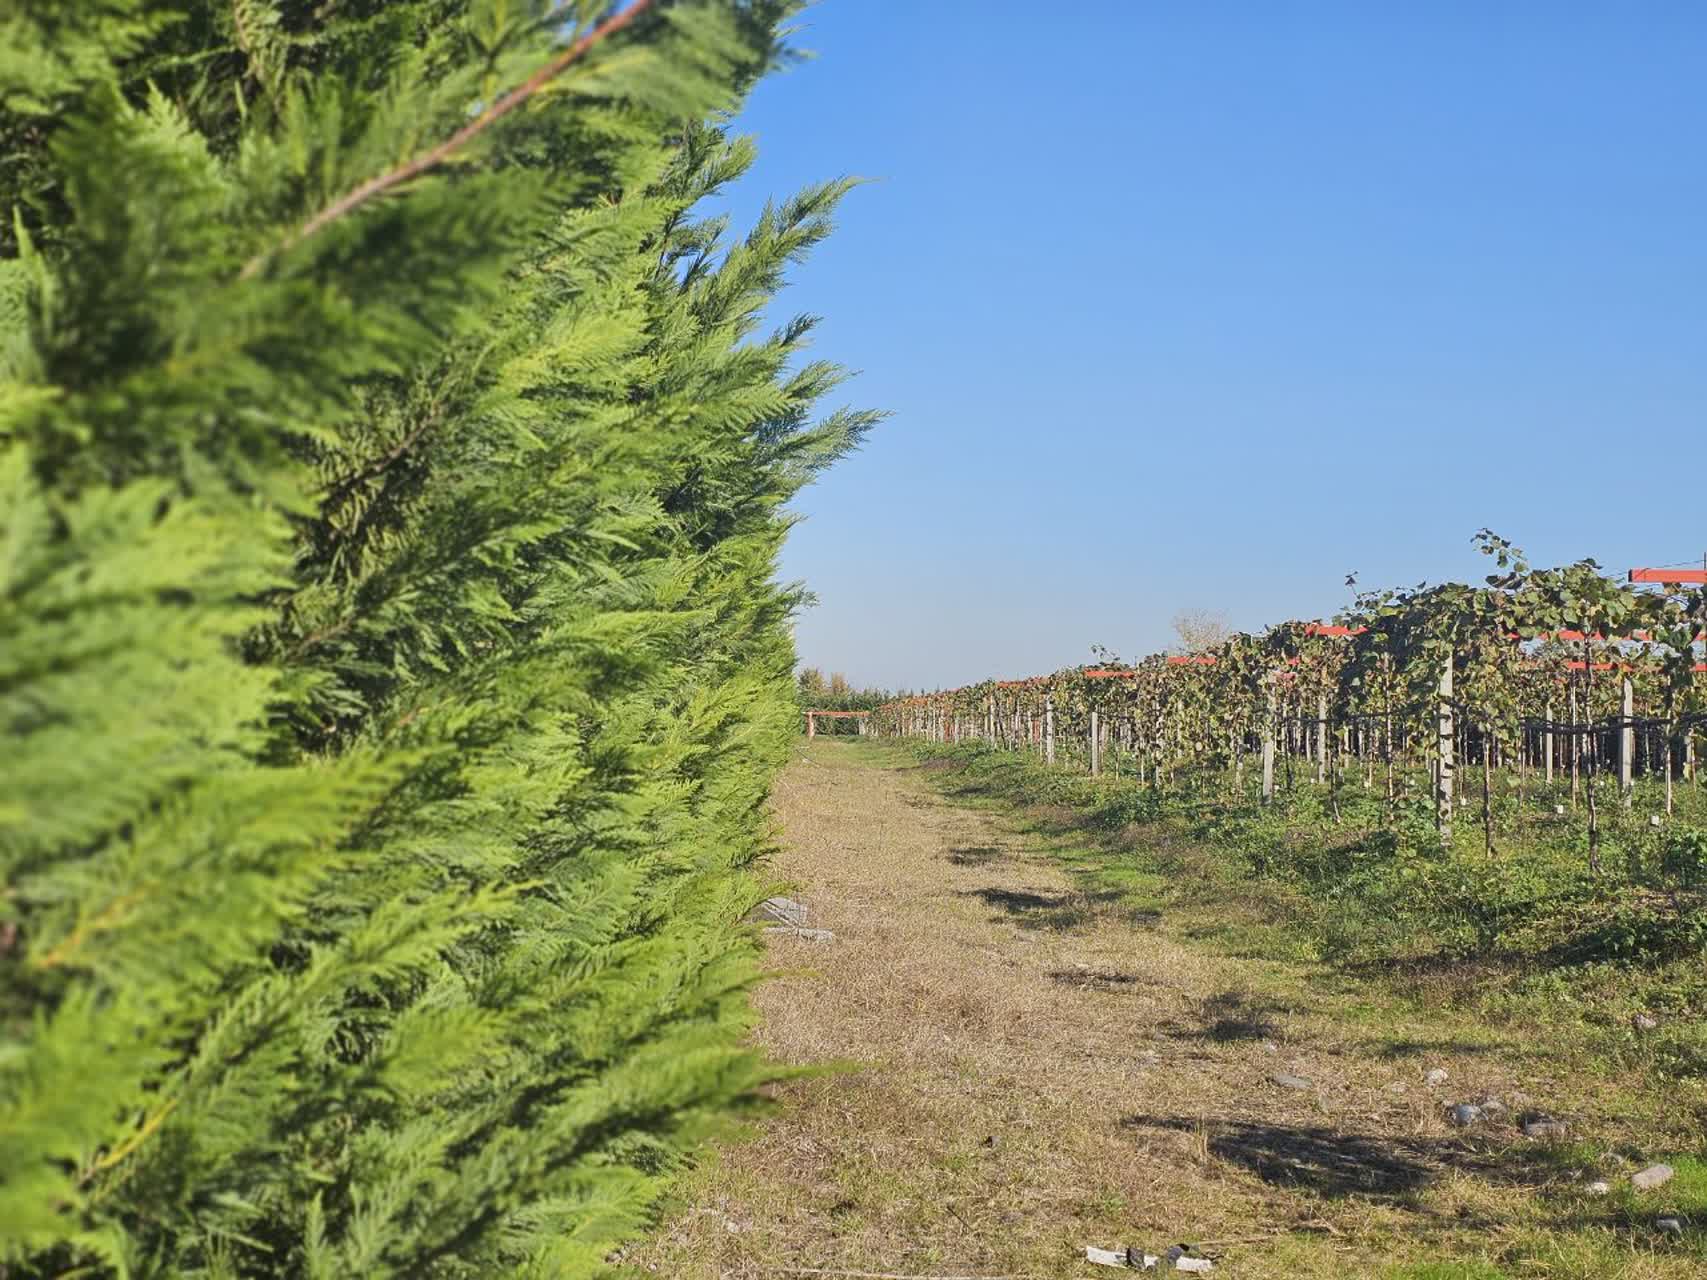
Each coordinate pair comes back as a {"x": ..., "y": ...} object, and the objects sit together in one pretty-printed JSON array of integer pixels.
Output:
[{"x": 378, "y": 186}]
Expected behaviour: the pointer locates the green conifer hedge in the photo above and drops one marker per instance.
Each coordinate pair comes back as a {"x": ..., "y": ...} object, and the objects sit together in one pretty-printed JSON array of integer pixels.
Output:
[{"x": 392, "y": 668}]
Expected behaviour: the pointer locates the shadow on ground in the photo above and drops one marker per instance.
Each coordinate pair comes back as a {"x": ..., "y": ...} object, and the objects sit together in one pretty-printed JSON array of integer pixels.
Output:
[
  {"x": 1232, "y": 1016},
  {"x": 976, "y": 855},
  {"x": 1407, "y": 1048},
  {"x": 1336, "y": 1164},
  {"x": 1100, "y": 979},
  {"x": 1054, "y": 911},
  {"x": 937, "y": 764},
  {"x": 1322, "y": 1160}
]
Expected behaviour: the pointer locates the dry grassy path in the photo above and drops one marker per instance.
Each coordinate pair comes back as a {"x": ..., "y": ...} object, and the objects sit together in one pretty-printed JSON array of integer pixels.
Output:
[{"x": 1039, "y": 1068}]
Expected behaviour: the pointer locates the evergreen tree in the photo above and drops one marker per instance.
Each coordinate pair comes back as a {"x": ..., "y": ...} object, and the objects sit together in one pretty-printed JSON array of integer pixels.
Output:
[{"x": 391, "y": 657}]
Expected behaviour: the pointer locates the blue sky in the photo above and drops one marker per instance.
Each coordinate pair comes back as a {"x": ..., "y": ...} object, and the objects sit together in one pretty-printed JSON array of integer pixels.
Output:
[{"x": 1189, "y": 304}]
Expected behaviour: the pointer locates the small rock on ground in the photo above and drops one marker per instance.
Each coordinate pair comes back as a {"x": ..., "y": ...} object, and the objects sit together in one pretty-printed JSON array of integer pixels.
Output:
[
  {"x": 1290, "y": 1082},
  {"x": 1670, "y": 1226},
  {"x": 1599, "y": 1188},
  {"x": 1545, "y": 1127},
  {"x": 1435, "y": 1077},
  {"x": 1655, "y": 1175},
  {"x": 1465, "y": 1114},
  {"x": 787, "y": 910}
]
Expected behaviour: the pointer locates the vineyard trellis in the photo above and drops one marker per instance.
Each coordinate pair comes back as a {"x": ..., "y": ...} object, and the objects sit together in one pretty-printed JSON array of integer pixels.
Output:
[
  {"x": 1565, "y": 674},
  {"x": 814, "y": 715}
]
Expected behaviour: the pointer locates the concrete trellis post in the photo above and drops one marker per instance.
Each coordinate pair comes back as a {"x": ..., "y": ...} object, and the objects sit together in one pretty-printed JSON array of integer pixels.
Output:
[
  {"x": 1626, "y": 742},
  {"x": 1321, "y": 737},
  {"x": 1444, "y": 762},
  {"x": 1049, "y": 728},
  {"x": 1268, "y": 752},
  {"x": 1096, "y": 746},
  {"x": 1548, "y": 743}
]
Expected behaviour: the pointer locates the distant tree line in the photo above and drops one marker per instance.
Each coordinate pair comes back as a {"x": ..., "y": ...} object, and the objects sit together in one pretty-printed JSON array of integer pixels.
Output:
[{"x": 833, "y": 692}]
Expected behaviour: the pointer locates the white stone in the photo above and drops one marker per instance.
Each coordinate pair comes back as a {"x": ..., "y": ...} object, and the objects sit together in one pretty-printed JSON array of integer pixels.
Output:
[
  {"x": 1655, "y": 1175},
  {"x": 787, "y": 910}
]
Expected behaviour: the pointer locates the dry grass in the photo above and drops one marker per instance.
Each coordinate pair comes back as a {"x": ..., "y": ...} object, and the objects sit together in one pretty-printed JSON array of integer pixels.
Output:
[{"x": 1036, "y": 1067}]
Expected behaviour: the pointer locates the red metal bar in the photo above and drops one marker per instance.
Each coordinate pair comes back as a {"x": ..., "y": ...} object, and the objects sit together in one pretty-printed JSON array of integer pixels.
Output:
[
  {"x": 1697, "y": 577},
  {"x": 1579, "y": 665}
]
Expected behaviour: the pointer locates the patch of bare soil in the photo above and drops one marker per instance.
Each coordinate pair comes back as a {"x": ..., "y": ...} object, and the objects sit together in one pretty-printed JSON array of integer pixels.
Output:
[{"x": 1035, "y": 1068}]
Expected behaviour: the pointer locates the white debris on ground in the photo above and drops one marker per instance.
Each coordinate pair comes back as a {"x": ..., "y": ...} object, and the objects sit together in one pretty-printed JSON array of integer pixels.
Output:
[
  {"x": 782, "y": 910},
  {"x": 811, "y": 935},
  {"x": 1135, "y": 1259}
]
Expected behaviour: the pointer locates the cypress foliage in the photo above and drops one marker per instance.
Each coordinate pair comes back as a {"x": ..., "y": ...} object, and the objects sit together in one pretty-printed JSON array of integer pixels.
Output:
[{"x": 391, "y": 662}]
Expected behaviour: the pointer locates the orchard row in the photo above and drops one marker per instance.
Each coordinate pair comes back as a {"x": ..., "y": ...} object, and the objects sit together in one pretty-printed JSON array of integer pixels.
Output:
[{"x": 1544, "y": 677}]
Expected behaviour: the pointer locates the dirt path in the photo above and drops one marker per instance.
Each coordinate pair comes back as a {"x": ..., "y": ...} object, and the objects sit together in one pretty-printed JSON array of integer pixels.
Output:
[{"x": 1039, "y": 1068}]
